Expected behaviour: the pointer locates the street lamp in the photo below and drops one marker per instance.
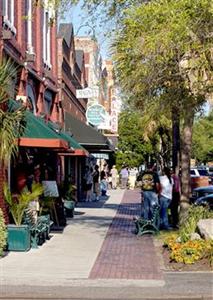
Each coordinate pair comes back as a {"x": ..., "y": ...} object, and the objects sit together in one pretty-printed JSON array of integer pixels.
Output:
[{"x": 91, "y": 30}]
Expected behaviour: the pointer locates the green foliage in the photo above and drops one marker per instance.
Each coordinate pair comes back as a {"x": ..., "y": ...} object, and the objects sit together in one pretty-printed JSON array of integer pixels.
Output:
[
  {"x": 202, "y": 147},
  {"x": 3, "y": 233},
  {"x": 184, "y": 250},
  {"x": 195, "y": 213},
  {"x": 11, "y": 122},
  {"x": 159, "y": 52},
  {"x": 132, "y": 148},
  {"x": 70, "y": 194},
  {"x": 18, "y": 205}
]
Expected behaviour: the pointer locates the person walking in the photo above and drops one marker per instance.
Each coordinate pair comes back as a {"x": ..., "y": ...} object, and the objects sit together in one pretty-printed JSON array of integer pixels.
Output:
[
  {"x": 114, "y": 175},
  {"x": 103, "y": 183},
  {"x": 150, "y": 189},
  {"x": 89, "y": 183},
  {"x": 132, "y": 177},
  {"x": 96, "y": 183},
  {"x": 166, "y": 182},
  {"x": 124, "y": 177}
]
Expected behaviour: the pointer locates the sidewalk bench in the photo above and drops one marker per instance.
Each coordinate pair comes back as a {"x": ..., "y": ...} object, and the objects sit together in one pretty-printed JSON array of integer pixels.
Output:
[
  {"x": 148, "y": 226},
  {"x": 39, "y": 229},
  {"x": 46, "y": 220}
]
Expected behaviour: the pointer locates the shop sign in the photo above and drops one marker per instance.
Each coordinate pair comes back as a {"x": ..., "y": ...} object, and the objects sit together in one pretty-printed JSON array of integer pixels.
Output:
[
  {"x": 101, "y": 155},
  {"x": 89, "y": 92},
  {"x": 50, "y": 188},
  {"x": 97, "y": 115},
  {"x": 114, "y": 116}
]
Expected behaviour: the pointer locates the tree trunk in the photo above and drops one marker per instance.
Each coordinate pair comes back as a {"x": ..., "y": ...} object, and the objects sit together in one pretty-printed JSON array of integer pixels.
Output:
[
  {"x": 2, "y": 201},
  {"x": 185, "y": 163},
  {"x": 176, "y": 141}
]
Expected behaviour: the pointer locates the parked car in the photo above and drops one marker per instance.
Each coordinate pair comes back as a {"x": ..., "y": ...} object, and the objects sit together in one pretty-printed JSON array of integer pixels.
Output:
[
  {"x": 200, "y": 172},
  {"x": 211, "y": 174},
  {"x": 201, "y": 192},
  {"x": 205, "y": 201}
]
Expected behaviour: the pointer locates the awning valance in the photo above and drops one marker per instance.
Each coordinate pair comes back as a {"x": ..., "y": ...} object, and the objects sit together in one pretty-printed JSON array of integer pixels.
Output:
[
  {"x": 37, "y": 133},
  {"x": 77, "y": 149},
  {"x": 87, "y": 136}
]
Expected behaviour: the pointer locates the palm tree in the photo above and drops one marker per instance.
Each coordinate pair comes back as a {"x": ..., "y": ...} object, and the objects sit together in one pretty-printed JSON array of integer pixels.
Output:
[{"x": 11, "y": 122}]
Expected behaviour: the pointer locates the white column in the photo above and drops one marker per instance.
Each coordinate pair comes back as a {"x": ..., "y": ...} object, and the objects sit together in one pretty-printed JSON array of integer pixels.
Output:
[
  {"x": 44, "y": 36},
  {"x": 6, "y": 9},
  {"x": 48, "y": 38},
  {"x": 12, "y": 12},
  {"x": 29, "y": 27}
]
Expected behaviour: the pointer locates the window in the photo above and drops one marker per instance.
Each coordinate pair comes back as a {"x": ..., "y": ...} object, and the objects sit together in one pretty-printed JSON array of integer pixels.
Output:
[
  {"x": 203, "y": 172},
  {"x": 31, "y": 99},
  {"x": 9, "y": 15},
  {"x": 48, "y": 100}
]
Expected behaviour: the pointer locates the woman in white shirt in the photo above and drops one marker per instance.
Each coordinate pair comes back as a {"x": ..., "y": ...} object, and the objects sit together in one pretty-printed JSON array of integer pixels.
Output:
[{"x": 166, "y": 182}]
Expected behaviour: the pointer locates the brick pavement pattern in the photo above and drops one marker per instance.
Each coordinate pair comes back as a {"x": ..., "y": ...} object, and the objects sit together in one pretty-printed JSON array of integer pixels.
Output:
[{"x": 124, "y": 255}]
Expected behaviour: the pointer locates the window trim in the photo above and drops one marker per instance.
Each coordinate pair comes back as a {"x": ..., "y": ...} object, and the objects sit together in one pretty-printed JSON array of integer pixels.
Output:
[{"x": 9, "y": 21}]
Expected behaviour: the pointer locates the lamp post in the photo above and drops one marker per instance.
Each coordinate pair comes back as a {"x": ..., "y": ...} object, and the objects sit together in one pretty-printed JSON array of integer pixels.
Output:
[{"x": 91, "y": 28}]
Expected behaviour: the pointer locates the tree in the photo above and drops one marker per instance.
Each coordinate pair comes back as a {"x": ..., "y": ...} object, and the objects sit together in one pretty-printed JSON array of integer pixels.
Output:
[
  {"x": 202, "y": 143},
  {"x": 141, "y": 139},
  {"x": 163, "y": 55},
  {"x": 11, "y": 120},
  {"x": 132, "y": 148}
]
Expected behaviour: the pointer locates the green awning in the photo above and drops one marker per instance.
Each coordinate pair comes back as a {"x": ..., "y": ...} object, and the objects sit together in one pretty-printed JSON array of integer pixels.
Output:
[
  {"x": 37, "y": 133},
  {"x": 74, "y": 145}
]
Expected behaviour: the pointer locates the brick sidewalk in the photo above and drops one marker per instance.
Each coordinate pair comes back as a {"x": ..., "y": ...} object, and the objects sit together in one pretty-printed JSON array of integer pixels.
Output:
[{"x": 123, "y": 254}]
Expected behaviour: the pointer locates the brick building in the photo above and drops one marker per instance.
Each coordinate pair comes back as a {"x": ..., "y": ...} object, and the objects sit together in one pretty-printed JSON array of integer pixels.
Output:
[
  {"x": 28, "y": 37},
  {"x": 30, "y": 41},
  {"x": 93, "y": 63},
  {"x": 71, "y": 73}
]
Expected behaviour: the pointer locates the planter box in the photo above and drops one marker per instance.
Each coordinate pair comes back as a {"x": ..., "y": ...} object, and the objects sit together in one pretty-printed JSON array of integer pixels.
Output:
[
  {"x": 18, "y": 238},
  {"x": 69, "y": 208}
]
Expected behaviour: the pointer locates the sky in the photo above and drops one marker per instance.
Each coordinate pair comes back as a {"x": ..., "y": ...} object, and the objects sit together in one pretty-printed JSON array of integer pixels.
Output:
[{"x": 79, "y": 18}]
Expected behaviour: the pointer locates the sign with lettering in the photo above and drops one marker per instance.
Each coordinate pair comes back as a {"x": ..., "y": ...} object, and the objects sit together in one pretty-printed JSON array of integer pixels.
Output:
[
  {"x": 50, "y": 188},
  {"x": 114, "y": 116},
  {"x": 97, "y": 115},
  {"x": 89, "y": 92}
]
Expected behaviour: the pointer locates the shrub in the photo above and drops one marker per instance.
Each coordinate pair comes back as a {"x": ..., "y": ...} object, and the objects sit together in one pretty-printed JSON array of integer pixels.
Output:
[
  {"x": 190, "y": 251},
  {"x": 195, "y": 214},
  {"x": 183, "y": 250},
  {"x": 3, "y": 233}
]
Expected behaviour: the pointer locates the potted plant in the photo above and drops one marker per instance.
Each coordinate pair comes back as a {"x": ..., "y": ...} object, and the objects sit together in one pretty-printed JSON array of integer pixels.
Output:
[
  {"x": 70, "y": 200},
  {"x": 3, "y": 233},
  {"x": 19, "y": 234}
]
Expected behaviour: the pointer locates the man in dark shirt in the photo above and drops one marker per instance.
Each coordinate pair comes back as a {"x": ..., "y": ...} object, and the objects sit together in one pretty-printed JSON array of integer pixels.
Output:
[{"x": 150, "y": 189}]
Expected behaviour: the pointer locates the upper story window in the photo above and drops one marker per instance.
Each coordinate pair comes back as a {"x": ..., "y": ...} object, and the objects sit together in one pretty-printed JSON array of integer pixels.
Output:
[
  {"x": 48, "y": 101},
  {"x": 30, "y": 49},
  {"x": 48, "y": 16},
  {"x": 31, "y": 99},
  {"x": 9, "y": 15}
]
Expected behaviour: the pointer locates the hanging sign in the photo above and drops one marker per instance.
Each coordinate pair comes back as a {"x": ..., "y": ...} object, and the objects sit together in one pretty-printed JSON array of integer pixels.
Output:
[
  {"x": 96, "y": 115},
  {"x": 89, "y": 92}
]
